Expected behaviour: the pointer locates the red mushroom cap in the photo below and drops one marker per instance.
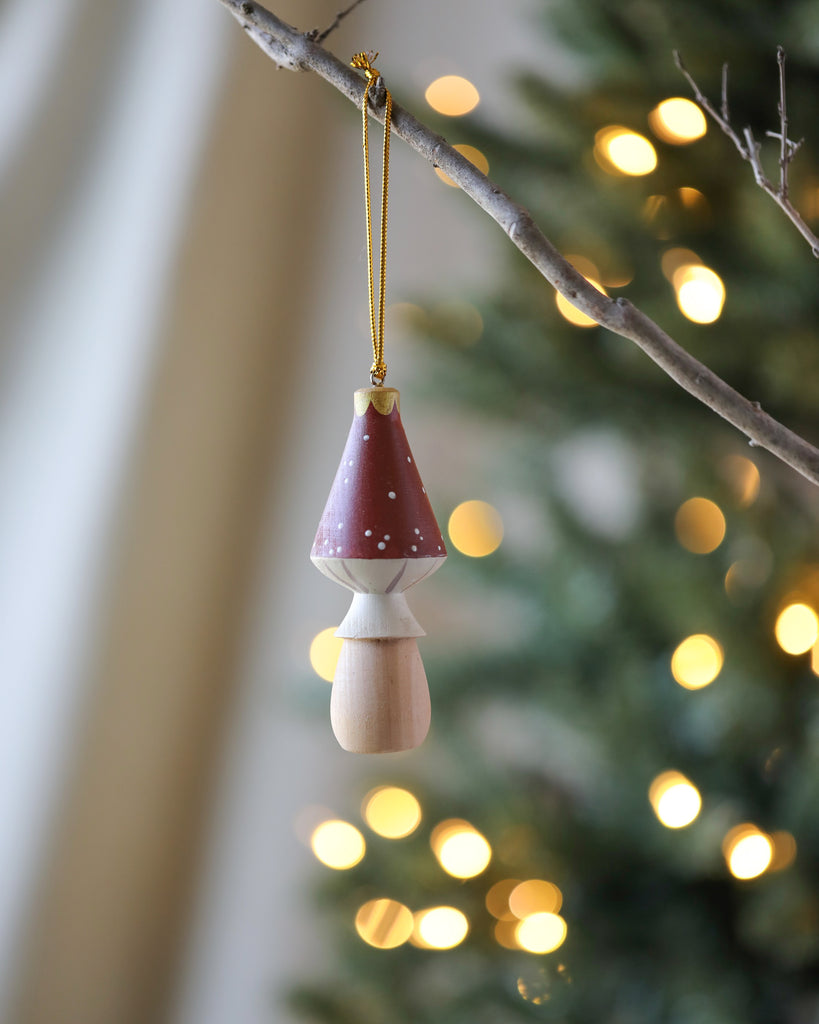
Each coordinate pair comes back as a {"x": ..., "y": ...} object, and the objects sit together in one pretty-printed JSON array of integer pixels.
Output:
[{"x": 378, "y": 507}]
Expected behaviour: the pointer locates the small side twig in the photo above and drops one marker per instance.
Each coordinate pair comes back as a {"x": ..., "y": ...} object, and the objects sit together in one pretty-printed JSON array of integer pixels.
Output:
[
  {"x": 785, "y": 154},
  {"x": 319, "y": 37},
  {"x": 749, "y": 150}
]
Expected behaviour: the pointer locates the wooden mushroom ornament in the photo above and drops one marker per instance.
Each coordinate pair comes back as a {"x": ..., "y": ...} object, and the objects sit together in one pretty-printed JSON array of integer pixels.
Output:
[{"x": 378, "y": 537}]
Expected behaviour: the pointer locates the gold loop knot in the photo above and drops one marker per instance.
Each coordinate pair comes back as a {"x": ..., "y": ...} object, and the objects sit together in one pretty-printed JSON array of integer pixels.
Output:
[{"x": 364, "y": 62}]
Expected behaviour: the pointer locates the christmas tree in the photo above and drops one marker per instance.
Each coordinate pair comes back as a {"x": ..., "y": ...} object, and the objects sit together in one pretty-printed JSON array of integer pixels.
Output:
[{"x": 615, "y": 817}]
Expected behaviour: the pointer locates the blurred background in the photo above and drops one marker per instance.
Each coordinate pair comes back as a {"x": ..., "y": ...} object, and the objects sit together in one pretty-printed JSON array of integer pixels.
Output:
[{"x": 614, "y": 816}]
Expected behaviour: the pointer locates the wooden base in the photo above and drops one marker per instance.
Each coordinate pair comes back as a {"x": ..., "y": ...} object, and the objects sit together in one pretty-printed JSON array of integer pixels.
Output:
[{"x": 380, "y": 699}]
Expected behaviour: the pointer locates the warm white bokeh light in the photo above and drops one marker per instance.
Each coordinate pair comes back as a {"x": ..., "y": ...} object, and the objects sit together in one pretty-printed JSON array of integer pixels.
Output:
[
  {"x": 461, "y": 850},
  {"x": 475, "y": 528},
  {"x": 541, "y": 933},
  {"x": 675, "y": 800},
  {"x": 743, "y": 478},
  {"x": 505, "y": 933},
  {"x": 678, "y": 121},
  {"x": 676, "y": 257},
  {"x": 384, "y": 923},
  {"x": 391, "y": 812},
  {"x": 748, "y": 851},
  {"x": 452, "y": 95},
  {"x": 625, "y": 151},
  {"x": 497, "y": 899},
  {"x": 699, "y": 525},
  {"x": 535, "y": 896},
  {"x": 797, "y": 628},
  {"x": 697, "y": 661},
  {"x": 784, "y": 851},
  {"x": 572, "y": 313},
  {"x": 440, "y": 928},
  {"x": 473, "y": 155},
  {"x": 338, "y": 844},
  {"x": 692, "y": 199},
  {"x": 700, "y": 293},
  {"x": 325, "y": 649}
]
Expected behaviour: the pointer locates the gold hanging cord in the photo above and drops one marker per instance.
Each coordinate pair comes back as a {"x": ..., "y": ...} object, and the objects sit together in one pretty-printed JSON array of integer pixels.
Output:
[{"x": 363, "y": 62}]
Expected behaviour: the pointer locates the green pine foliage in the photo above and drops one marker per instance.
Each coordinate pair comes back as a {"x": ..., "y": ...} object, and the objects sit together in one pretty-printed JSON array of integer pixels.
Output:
[{"x": 548, "y": 739}]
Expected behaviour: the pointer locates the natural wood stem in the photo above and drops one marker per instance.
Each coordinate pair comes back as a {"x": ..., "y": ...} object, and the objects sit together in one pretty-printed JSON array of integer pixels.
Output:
[
  {"x": 380, "y": 698},
  {"x": 297, "y": 51}
]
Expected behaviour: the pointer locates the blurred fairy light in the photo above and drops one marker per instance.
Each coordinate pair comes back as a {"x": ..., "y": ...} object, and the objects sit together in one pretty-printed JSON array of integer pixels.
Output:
[
  {"x": 527, "y": 992},
  {"x": 325, "y": 649},
  {"x": 473, "y": 155},
  {"x": 572, "y": 313},
  {"x": 583, "y": 265},
  {"x": 407, "y": 317},
  {"x": 384, "y": 923},
  {"x": 619, "y": 149},
  {"x": 452, "y": 95},
  {"x": 700, "y": 293},
  {"x": 797, "y": 628},
  {"x": 440, "y": 928},
  {"x": 458, "y": 323},
  {"x": 497, "y": 899},
  {"x": 675, "y": 800},
  {"x": 475, "y": 528},
  {"x": 784, "y": 851},
  {"x": 391, "y": 812},
  {"x": 535, "y": 896},
  {"x": 505, "y": 933},
  {"x": 675, "y": 258},
  {"x": 460, "y": 848},
  {"x": 692, "y": 199},
  {"x": 743, "y": 478},
  {"x": 617, "y": 274},
  {"x": 697, "y": 661},
  {"x": 541, "y": 933},
  {"x": 338, "y": 844},
  {"x": 748, "y": 851},
  {"x": 699, "y": 525},
  {"x": 677, "y": 121}
]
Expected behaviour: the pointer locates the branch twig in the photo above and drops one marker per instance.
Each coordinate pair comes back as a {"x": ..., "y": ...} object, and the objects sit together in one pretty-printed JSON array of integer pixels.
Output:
[
  {"x": 294, "y": 50},
  {"x": 749, "y": 150},
  {"x": 319, "y": 37},
  {"x": 785, "y": 153}
]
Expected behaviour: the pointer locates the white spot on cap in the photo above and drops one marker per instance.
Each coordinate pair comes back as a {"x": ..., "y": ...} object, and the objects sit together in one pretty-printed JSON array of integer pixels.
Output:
[
  {"x": 423, "y": 489},
  {"x": 417, "y": 530},
  {"x": 420, "y": 538},
  {"x": 366, "y": 437},
  {"x": 350, "y": 462},
  {"x": 346, "y": 479},
  {"x": 391, "y": 494},
  {"x": 439, "y": 547},
  {"x": 386, "y": 536},
  {"x": 414, "y": 547},
  {"x": 368, "y": 533},
  {"x": 381, "y": 545},
  {"x": 340, "y": 526},
  {"x": 409, "y": 459},
  {"x": 338, "y": 551}
]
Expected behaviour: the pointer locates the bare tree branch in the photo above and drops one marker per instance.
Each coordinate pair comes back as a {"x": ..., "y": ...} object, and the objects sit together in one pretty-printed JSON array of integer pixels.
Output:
[
  {"x": 292, "y": 49},
  {"x": 319, "y": 37},
  {"x": 750, "y": 150}
]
